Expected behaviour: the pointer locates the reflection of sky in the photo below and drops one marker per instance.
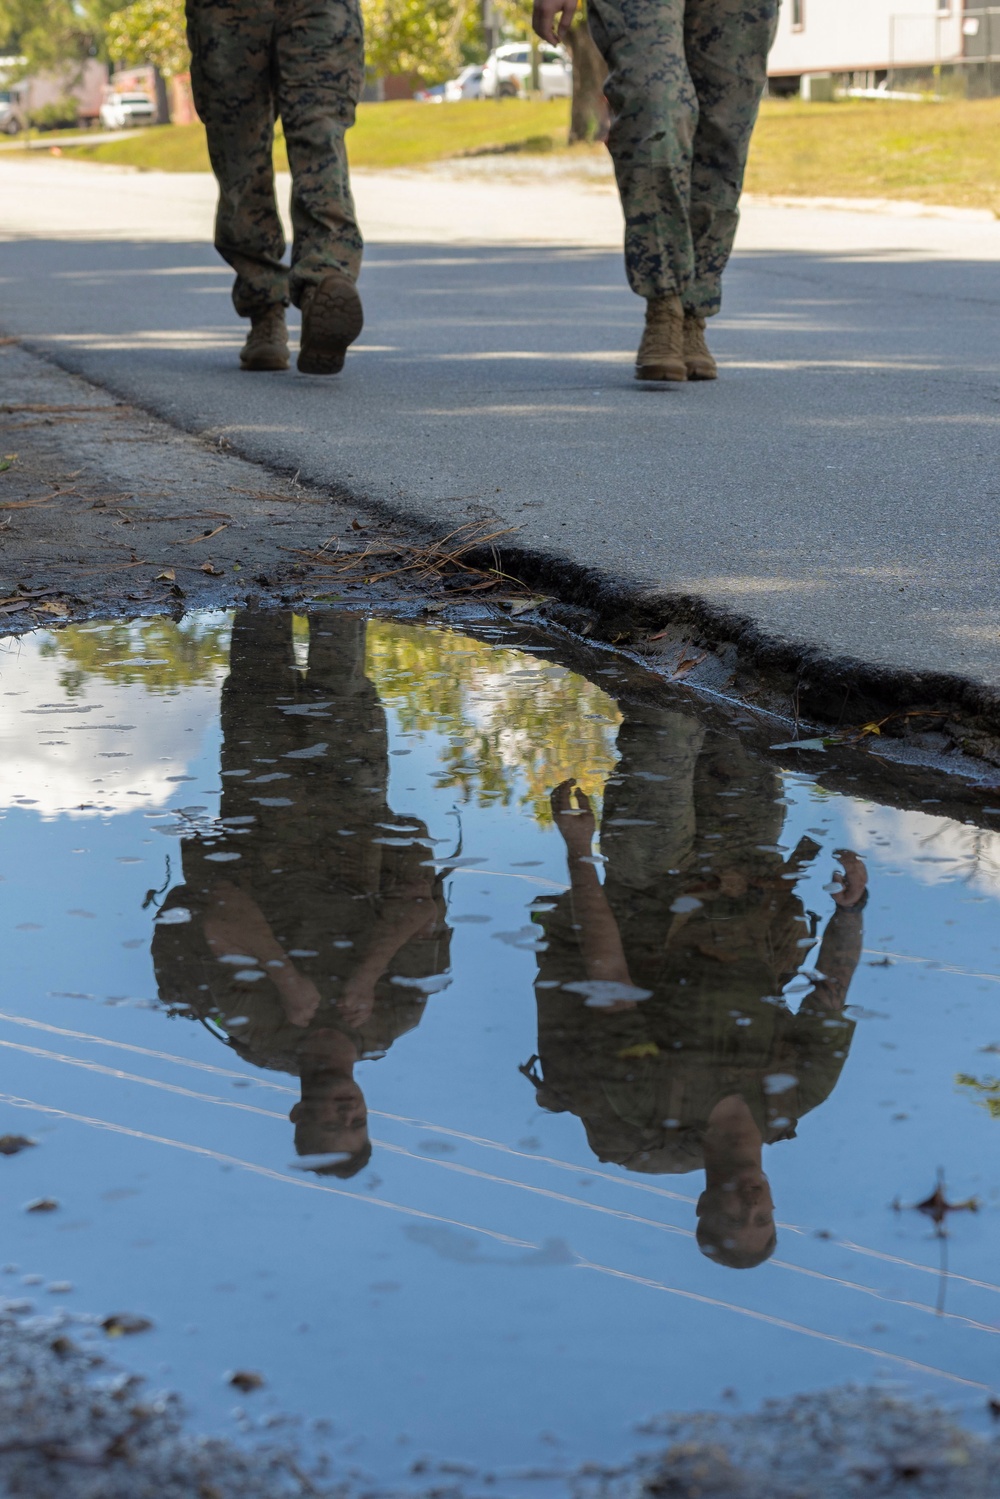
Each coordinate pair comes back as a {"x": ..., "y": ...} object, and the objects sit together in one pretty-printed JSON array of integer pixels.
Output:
[
  {"x": 934, "y": 849},
  {"x": 485, "y": 1290},
  {"x": 111, "y": 748}
]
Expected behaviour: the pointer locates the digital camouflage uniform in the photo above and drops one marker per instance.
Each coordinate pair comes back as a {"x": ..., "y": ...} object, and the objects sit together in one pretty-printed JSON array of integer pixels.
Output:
[
  {"x": 684, "y": 88},
  {"x": 689, "y": 814},
  {"x": 251, "y": 62},
  {"x": 302, "y": 831}
]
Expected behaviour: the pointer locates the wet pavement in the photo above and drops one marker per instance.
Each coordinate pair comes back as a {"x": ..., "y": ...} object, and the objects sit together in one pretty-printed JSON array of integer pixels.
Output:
[{"x": 483, "y": 1114}]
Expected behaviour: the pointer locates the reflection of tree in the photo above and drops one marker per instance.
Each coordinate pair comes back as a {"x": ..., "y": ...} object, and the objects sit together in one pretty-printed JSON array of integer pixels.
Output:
[
  {"x": 985, "y": 1092},
  {"x": 518, "y": 724},
  {"x": 159, "y": 654}
]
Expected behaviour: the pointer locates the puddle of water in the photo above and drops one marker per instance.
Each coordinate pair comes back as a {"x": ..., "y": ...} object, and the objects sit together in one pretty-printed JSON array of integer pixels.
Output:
[{"x": 363, "y": 1052}]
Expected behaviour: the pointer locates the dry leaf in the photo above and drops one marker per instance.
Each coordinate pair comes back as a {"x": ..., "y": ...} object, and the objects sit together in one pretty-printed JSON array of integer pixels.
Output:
[
  {"x": 801, "y": 744},
  {"x": 686, "y": 664},
  {"x": 167, "y": 576},
  {"x": 522, "y": 606},
  {"x": 51, "y": 606},
  {"x": 205, "y": 536},
  {"x": 246, "y": 1380},
  {"x": 119, "y": 1324},
  {"x": 14, "y": 1144},
  {"x": 42, "y": 1205},
  {"x": 212, "y": 570}
]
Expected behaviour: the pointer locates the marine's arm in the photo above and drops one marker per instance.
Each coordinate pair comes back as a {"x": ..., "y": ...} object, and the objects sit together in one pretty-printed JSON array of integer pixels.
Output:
[
  {"x": 401, "y": 917},
  {"x": 840, "y": 950},
  {"x": 600, "y": 939},
  {"x": 234, "y": 925},
  {"x": 543, "y": 19}
]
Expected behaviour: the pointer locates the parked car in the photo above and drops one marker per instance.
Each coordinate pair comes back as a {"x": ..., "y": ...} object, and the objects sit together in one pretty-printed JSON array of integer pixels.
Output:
[
  {"x": 468, "y": 84},
  {"x": 11, "y": 117},
  {"x": 507, "y": 72},
  {"x": 433, "y": 95},
  {"x": 123, "y": 111}
]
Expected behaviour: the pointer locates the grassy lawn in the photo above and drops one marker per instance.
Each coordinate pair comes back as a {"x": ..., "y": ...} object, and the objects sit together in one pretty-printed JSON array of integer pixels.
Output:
[
  {"x": 386, "y": 135},
  {"x": 861, "y": 148},
  {"x": 936, "y": 153}
]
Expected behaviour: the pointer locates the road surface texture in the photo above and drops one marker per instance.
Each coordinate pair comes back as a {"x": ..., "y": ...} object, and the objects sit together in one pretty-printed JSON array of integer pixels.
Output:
[{"x": 831, "y": 500}]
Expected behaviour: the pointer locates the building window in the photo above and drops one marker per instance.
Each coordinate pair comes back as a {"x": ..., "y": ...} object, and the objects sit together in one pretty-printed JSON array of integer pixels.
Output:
[
  {"x": 799, "y": 14},
  {"x": 944, "y": 7}
]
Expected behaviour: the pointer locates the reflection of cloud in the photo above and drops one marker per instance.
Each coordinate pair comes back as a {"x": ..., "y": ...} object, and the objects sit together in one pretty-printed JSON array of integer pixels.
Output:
[
  {"x": 101, "y": 750},
  {"x": 932, "y": 849}
]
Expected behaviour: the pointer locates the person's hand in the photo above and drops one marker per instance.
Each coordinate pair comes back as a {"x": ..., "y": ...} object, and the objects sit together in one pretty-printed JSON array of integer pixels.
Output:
[
  {"x": 300, "y": 999},
  {"x": 574, "y": 818},
  {"x": 356, "y": 1001},
  {"x": 543, "y": 19},
  {"x": 853, "y": 882}
]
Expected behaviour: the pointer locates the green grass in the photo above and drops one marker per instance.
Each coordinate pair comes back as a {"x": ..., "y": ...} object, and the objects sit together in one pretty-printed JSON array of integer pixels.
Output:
[
  {"x": 861, "y": 148},
  {"x": 935, "y": 153},
  {"x": 386, "y": 135}
]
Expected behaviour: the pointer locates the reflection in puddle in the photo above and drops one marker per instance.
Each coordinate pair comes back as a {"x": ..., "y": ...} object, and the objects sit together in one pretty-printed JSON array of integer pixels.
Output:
[{"x": 419, "y": 923}]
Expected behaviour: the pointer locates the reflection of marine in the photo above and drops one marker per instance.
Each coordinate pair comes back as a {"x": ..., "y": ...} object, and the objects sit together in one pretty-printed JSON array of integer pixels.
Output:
[
  {"x": 312, "y": 905},
  {"x": 661, "y": 1021}
]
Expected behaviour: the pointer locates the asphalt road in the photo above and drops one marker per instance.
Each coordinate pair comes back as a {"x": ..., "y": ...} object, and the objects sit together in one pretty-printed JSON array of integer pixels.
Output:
[{"x": 837, "y": 488}]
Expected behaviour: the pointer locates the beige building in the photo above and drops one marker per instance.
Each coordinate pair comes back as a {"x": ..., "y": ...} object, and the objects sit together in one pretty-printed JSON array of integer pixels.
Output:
[{"x": 869, "y": 36}]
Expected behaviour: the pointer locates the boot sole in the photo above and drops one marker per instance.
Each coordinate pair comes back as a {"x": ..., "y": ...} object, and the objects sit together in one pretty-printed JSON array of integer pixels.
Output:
[
  {"x": 660, "y": 372},
  {"x": 332, "y": 323},
  {"x": 265, "y": 362}
]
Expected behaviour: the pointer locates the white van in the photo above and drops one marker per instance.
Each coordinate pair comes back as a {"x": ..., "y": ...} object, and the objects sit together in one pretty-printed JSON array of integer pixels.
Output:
[{"x": 507, "y": 72}]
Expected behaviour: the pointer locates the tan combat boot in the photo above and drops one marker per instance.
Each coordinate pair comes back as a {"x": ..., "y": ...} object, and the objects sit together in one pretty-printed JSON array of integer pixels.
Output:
[
  {"x": 661, "y": 352},
  {"x": 699, "y": 362},
  {"x": 331, "y": 320},
  {"x": 266, "y": 347}
]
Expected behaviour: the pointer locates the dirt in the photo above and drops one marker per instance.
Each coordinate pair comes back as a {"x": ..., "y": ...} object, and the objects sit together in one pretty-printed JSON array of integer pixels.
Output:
[
  {"x": 76, "y": 1425},
  {"x": 105, "y": 509}
]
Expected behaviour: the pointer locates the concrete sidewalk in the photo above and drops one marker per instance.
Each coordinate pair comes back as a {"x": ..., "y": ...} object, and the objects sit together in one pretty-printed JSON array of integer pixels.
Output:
[{"x": 834, "y": 495}]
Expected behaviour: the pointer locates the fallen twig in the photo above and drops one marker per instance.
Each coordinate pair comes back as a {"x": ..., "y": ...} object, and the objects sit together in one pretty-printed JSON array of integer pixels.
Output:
[
  {"x": 188, "y": 541},
  {"x": 437, "y": 560}
]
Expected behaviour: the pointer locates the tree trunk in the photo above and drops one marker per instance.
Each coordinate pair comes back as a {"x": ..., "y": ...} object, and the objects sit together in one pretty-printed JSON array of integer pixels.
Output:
[{"x": 589, "y": 117}]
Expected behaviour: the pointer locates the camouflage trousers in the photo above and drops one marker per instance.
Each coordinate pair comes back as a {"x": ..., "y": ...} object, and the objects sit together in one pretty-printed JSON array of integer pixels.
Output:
[
  {"x": 686, "y": 77},
  {"x": 251, "y": 62}
]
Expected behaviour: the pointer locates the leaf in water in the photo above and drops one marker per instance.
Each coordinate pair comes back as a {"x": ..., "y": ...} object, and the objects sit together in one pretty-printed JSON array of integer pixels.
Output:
[
  {"x": 684, "y": 905},
  {"x": 246, "y": 1380},
  {"x": 523, "y": 606},
  {"x": 640, "y": 1049},
  {"x": 42, "y": 1205},
  {"x": 802, "y": 744},
  {"x": 463, "y": 862},
  {"x": 121, "y": 1324},
  {"x": 311, "y": 753},
  {"x": 14, "y": 1144},
  {"x": 433, "y": 984},
  {"x": 600, "y": 992},
  {"x": 870, "y": 728}
]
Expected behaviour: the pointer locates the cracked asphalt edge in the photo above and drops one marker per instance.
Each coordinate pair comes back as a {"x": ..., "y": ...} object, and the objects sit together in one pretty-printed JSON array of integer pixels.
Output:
[{"x": 677, "y": 636}]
